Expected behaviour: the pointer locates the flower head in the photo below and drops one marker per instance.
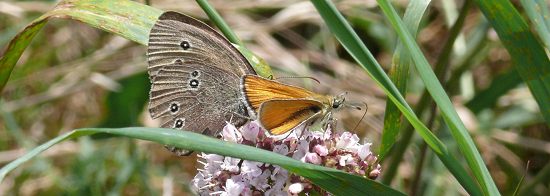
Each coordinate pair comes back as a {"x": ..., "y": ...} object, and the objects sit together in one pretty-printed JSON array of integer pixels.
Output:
[{"x": 231, "y": 176}]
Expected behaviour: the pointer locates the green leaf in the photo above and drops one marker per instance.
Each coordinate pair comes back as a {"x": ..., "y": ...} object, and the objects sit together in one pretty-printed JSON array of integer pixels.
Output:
[
  {"x": 260, "y": 65},
  {"x": 125, "y": 105},
  {"x": 218, "y": 20},
  {"x": 537, "y": 11},
  {"x": 529, "y": 57},
  {"x": 128, "y": 19},
  {"x": 399, "y": 74},
  {"x": 351, "y": 42},
  {"x": 332, "y": 180},
  {"x": 501, "y": 84},
  {"x": 449, "y": 114}
]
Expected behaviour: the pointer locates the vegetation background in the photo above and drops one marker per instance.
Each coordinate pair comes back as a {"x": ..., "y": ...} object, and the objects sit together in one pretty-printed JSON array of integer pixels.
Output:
[{"x": 73, "y": 76}]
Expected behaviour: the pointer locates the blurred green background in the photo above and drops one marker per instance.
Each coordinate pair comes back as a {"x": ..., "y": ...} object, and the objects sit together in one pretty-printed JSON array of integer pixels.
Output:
[{"x": 74, "y": 76}]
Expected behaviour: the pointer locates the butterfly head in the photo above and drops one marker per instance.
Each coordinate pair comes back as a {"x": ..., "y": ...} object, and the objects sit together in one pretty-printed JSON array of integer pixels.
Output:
[{"x": 338, "y": 101}]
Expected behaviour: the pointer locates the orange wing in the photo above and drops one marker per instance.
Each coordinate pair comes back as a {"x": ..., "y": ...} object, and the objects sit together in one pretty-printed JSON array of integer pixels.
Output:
[
  {"x": 257, "y": 90},
  {"x": 281, "y": 116}
]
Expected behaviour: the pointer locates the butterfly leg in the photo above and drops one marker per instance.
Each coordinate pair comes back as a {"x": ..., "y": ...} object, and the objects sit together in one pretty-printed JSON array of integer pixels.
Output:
[
  {"x": 328, "y": 121},
  {"x": 241, "y": 116}
]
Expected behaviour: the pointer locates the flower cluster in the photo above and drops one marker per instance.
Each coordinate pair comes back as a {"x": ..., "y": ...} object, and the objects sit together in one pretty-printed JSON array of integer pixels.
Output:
[{"x": 231, "y": 176}]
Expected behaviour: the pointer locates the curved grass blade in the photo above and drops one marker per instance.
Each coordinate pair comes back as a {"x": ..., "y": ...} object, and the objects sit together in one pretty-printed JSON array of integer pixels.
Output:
[
  {"x": 351, "y": 42},
  {"x": 449, "y": 114},
  {"x": 332, "y": 180},
  {"x": 399, "y": 73},
  {"x": 128, "y": 19},
  {"x": 530, "y": 59},
  {"x": 260, "y": 65},
  {"x": 218, "y": 20},
  {"x": 538, "y": 13},
  {"x": 501, "y": 84}
]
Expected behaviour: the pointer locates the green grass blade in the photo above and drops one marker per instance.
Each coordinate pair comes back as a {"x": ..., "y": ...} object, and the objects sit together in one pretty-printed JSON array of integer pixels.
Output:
[
  {"x": 537, "y": 11},
  {"x": 501, "y": 84},
  {"x": 399, "y": 73},
  {"x": 124, "y": 107},
  {"x": 218, "y": 20},
  {"x": 458, "y": 130},
  {"x": 442, "y": 62},
  {"x": 128, "y": 19},
  {"x": 332, "y": 180},
  {"x": 260, "y": 66},
  {"x": 541, "y": 177},
  {"x": 528, "y": 55},
  {"x": 351, "y": 42}
]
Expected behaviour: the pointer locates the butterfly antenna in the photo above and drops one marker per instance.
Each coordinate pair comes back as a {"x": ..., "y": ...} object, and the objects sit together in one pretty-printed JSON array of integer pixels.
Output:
[
  {"x": 362, "y": 117},
  {"x": 308, "y": 77}
]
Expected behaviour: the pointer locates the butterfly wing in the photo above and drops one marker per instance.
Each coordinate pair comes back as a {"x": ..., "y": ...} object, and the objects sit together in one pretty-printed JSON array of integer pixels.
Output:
[
  {"x": 195, "y": 75},
  {"x": 176, "y": 36},
  {"x": 281, "y": 116},
  {"x": 257, "y": 90}
]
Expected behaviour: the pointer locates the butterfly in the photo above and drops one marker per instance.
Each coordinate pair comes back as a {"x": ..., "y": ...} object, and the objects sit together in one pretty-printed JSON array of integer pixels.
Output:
[
  {"x": 195, "y": 75},
  {"x": 280, "y": 108},
  {"x": 200, "y": 81}
]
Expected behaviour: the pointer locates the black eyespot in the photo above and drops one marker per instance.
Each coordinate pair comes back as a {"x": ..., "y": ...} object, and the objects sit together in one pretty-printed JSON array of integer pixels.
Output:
[
  {"x": 194, "y": 83},
  {"x": 178, "y": 62},
  {"x": 335, "y": 105},
  {"x": 314, "y": 109},
  {"x": 185, "y": 45},
  {"x": 179, "y": 123},
  {"x": 195, "y": 73},
  {"x": 174, "y": 107}
]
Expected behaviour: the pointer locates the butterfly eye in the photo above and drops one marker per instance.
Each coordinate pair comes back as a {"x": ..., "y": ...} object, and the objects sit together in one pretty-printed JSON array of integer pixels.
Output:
[
  {"x": 338, "y": 101},
  {"x": 185, "y": 45}
]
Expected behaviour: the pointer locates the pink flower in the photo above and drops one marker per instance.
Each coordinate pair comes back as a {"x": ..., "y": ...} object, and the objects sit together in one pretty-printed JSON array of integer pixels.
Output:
[
  {"x": 364, "y": 150},
  {"x": 321, "y": 150},
  {"x": 312, "y": 158},
  {"x": 251, "y": 168},
  {"x": 250, "y": 131},
  {"x": 296, "y": 188},
  {"x": 347, "y": 141},
  {"x": 231, "y": 176},
  {"x": 232, "y": 188},
  {"x": 230, "y": 133}
]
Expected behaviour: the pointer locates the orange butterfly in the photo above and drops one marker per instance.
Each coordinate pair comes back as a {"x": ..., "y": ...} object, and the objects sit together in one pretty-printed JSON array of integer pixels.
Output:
[{"x": 280, "y": 107}]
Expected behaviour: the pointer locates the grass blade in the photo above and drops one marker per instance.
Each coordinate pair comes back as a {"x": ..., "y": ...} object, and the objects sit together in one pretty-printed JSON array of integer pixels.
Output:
[
  {"x": 399, "y": 74},
  {"x": 128, "y": 19},
  {"x": 538, "y": 13},
  {"x": 260, "y": 66},
  {"x": 332, "y": 180},
  {"x": 528, "y": 55},
  {"x": 501, "y": 84},
  {"x": 458, "y": 130},
  {"x": 351, "y": 42},
  {"x": 218, "y": 20}
]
